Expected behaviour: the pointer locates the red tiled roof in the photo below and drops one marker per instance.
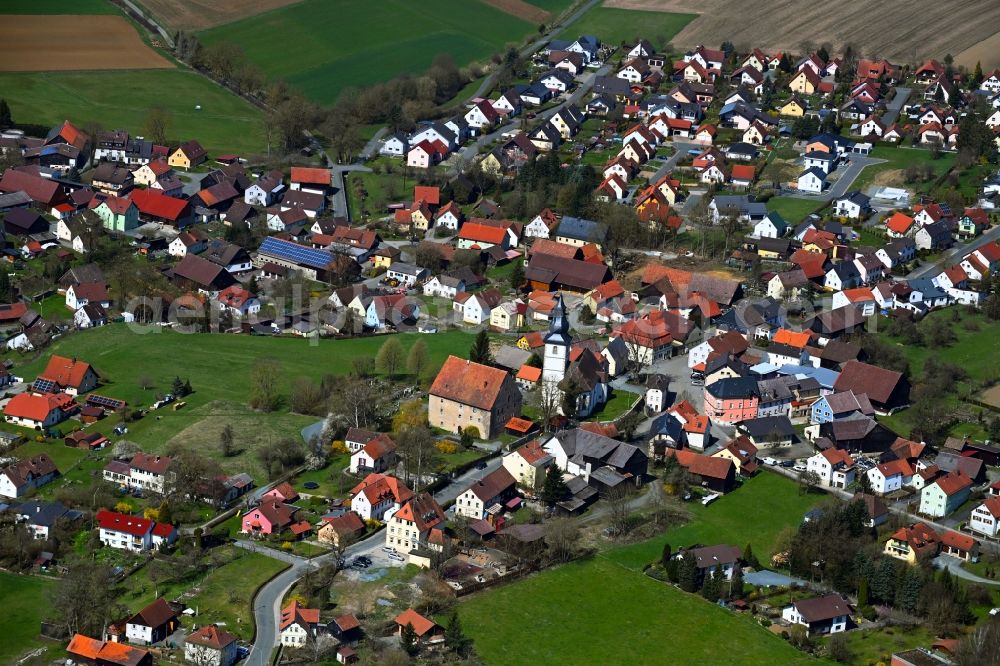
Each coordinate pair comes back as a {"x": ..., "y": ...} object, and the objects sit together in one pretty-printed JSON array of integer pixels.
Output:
[
  {"x": 310, "y": 176},
  {"x": 427, "y": 194},
  {"x": 151, "y": 202},
  {"x": 211, "y": 636},
  {"x": 119, "y": 522},
  {"x": 899, "y": 223},
  {"x": 37, "y": 407},
  {"x": 294, "y": 613},
  {"x": 482, "y": 233},
  {"x": 420, "y": 624},
  {"x": 529, "y": 373},
  {"x": 469, "y": 383},
  {"x": 65, "y": 371}
]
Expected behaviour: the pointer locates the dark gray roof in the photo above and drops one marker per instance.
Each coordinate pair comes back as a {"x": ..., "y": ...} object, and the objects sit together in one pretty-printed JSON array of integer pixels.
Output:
[
  {"x": 766, "y": 426},
  {"x": 581, "y": 229}
]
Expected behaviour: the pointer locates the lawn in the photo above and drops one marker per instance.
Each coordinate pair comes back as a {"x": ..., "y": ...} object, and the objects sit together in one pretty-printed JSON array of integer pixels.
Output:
[
  {"x": 599, "y": 612},
  {"x": 755, "y": 513},
  {"x": 25, "y": 603},
  {"x": 613, "y": 26},
  {"x": 324, "y": 47},
  {"x": 122, "y": 99},
  {"x": 877, "y": 645},
  {"x": 332, "y": 480},
  {"x": 793, "y": 209},
  {"x": 617, "y": 404},
  {"x": 898, "y": 158},
  {"x": 225, "y": 595}
]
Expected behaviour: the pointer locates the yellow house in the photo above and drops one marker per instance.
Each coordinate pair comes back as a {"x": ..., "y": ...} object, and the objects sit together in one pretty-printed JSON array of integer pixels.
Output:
[
  {"x": 910, "y": 543},
  {"x": 742, "y": 452},
  {"x": 805, "y": 82},
  {"x": 384, "y": 256},
  {"x": 507, "y": 316},
  {"x": 793, "y": 109},
  {"x": 188, "y": 155},
  {"x": 491, "y": 165},
  {"x": 421, "y": 217}
]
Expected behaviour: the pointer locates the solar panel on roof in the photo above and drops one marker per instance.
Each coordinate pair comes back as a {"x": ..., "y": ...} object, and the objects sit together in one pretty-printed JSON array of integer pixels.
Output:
[
  {"x": 296, "y": 253},
  {"x": 104, "y": 401},
  {"x": 44, "y": 385}
]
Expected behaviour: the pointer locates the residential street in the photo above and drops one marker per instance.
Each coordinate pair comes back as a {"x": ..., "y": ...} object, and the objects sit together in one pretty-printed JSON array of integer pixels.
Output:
[
  {"x": 954, "y": 567},
  {"x": 267, "y": 604},
  {"x": 893, "y": 108},
  {"x": 954, "y": 254},
  {"x": 847, "y": 175}
]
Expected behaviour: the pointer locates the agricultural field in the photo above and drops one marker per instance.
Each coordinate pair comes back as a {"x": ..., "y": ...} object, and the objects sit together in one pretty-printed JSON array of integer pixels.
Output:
[
  {"x": 122, "y": 99},
  {"x": 25, "y": 603},
  {"x": 323, "y": 47},
  {"x": 56, "y": 7},
  {"x": 75, "y": 43},
  {"x": 958, "y": 25},
  {"x": 194, "y": 15},
  {"x": 613, "y": 25}
]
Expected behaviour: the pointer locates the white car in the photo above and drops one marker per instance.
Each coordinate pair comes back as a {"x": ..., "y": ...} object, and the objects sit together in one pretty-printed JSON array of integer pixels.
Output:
[
  {"x": 710, "y": 498},
  {"x": 799, "y": 467},
  {"x": 767, "y": 460},
  {"x": 397, "y": 557}
]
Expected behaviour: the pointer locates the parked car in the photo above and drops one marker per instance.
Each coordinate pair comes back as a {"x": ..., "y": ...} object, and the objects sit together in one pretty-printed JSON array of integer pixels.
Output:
[
  {"x": 767, "y": 460},
  {"x": 799, "y": 467},
  {"x": 710, "y": 498},
  {"x": 397, "y": 557}
]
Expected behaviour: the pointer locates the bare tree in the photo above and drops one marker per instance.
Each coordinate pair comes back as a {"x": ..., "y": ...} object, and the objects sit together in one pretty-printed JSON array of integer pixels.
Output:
[
  {"x": 416, "y": 448},
  {"x": 157, "y": 124},
  {"x": 616, "y": 499}
]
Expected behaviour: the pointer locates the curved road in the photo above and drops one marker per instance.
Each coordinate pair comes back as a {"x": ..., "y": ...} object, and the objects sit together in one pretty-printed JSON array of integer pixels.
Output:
[{"x": 267, "y": 602}]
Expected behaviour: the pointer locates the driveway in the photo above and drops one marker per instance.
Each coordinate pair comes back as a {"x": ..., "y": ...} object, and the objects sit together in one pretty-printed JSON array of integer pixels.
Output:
[
  {"x": 846, "y": 177},
  {"x": 893, "y": 108},
  {"x": 765, "y": 578},
  {"x": 954, "y": 567}
]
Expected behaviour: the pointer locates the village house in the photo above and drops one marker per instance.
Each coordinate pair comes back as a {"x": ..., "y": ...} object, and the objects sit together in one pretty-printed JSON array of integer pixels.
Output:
[
  {"x": 377, "y": 455},
  {"x": 152, "y": 624},
  {"x": 418, "y": 524},
  {"x": 86, "y": 650},
  {"x": 829, "y": 614},
  {"x": 187, "y": 156},
  {"x": 19, "y": 478},
  {"x": 601, "y": 461},
  {"x": 378, "y": 495},
  {"x": 211, "y": 646},
  {"x": 269, "y": 517},
  {"x": 919, "y": 542},
  {"x": 470, "y": 394},
  {"x": 486, "y": 498},
  {"x": 834, "y": 467},
  {"x": 427, "y": 631},
  {"x": 298, "y": 625},
  {"x": 133, "y": 533},
  {"x": 943, "y": 496},
  {"x": 39, "y": 412},
  {"x": 340, "y": 531},
  {"x": 985, "y": 518},
  {"x": 527, "y": 465}
]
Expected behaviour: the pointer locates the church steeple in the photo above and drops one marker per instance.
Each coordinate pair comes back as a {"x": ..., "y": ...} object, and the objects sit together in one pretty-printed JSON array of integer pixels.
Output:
[{"x": 558, "y": 325}]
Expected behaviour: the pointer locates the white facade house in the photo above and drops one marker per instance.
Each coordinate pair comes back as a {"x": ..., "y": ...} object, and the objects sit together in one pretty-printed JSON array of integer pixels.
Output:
[
  {"x": 829, "y": 614},
  {"x": 890, "y": 477},
  {"x": 834, "y": 467},
  {"x": 812, "y": 180},
  {"x": 985, "y": 518}
]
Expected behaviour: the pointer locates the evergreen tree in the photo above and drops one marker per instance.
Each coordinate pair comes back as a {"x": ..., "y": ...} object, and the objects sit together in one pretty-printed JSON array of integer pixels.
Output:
[
  {"x": 516, "y": 276},
  {"x": 187, "y": 387},
  {"x": 710, "y": 587},
  {"x": 480, "y": 352},
  {"x": 665, "y": 555},
  {"x": 687, "y": 572},
  {"x": 749, "y": 558},
  {"x": 177, "y": 387},
  {"x": 863, "y": 592},
  {"x": 977, "y": 78},
  {"x": 554, "y": 489},
  {"x": 736, "y": 584},
  {"x": 408, "y": 639},
  {"x": 5, "y": 118},
  {"x": 455, "y": 638},
  {"x": 5, "y": 290}
]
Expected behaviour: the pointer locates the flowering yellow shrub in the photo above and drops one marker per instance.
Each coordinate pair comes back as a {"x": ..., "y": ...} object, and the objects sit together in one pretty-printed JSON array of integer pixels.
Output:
[{"x": 447, "y": 447}]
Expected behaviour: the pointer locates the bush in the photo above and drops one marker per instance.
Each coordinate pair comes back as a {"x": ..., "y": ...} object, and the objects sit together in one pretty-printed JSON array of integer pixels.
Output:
[
  {"x": 766, "y": 623},
  {"x": 446, "y": 447},
  {"x": 287, "y": 546},
  {"x": 469, "y": 435},
  {"x": 338, "y": 447}
]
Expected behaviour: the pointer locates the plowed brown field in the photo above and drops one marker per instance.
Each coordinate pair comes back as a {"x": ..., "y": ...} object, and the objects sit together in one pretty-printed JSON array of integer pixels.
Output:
[
  {"x": 54, "y": 43},
  {"x": 901, "y": 30},
  {"x": 193, "y": 15},
  {"x": 521, "y": 10}
]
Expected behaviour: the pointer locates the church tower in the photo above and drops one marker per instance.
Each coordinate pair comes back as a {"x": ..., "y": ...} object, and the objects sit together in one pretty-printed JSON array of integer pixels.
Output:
[{"x": 557, "y": 344}]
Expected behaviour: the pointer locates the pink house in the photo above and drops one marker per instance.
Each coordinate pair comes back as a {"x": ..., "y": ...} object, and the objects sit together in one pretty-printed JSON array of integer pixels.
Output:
[
  {"x": 270, "y": 517},
  {"x": 283, "y": 492},
  {"x": 731, "y": 400}
]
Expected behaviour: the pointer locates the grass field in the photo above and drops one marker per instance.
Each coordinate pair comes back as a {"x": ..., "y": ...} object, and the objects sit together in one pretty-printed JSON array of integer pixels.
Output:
[
  {"x": 794, "y": 210},
  {"x": 596, "y": 611},
  {"x": 323, "y": 47},
  {"x": 968, "y": 352},
  {"x": 122, "y": 99},
  {"x": 220, "y": 387},
  {"x": 754, "y": 514},
  {"x": 25, "y": 603},
  {"x": 54, "y": 7},
  {"x": 617, "y": 404},
  {"x": 613, "y": 26},
  {"x": 897, "y": 159},
  {"x": 564, "y": 611}
]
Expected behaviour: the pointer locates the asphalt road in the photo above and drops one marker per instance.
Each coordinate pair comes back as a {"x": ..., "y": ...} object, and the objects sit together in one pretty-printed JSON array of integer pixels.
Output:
[
  {"x": 954, "y": 254},
  {"x": 267, "y": 603},
  {"x": 847, "y": 175},
  {"x": 893, "y": 108}
]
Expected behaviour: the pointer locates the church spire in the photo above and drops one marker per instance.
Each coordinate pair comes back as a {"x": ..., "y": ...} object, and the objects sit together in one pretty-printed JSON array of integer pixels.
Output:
[{"x": 558, "y": 324}]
